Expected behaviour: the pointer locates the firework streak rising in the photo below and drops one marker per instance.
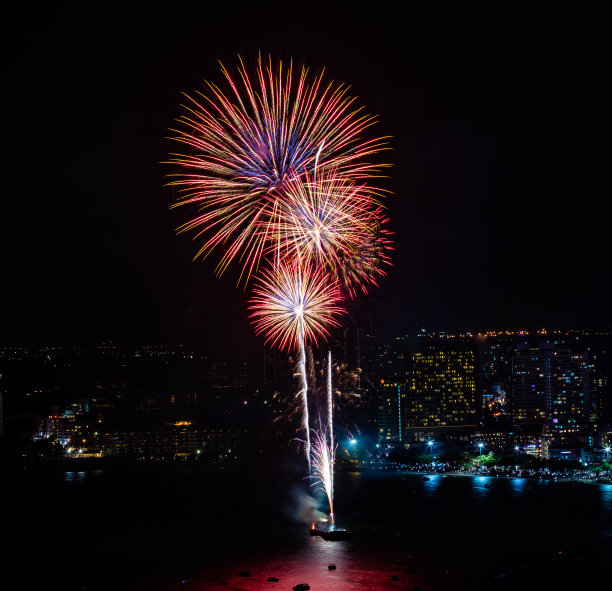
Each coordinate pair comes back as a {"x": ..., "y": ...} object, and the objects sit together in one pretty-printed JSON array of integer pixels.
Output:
[
  {"x": 323, "y": 458},
  {"x": 304, "y": 381},
  {"x": 330, "y": 418},
  {"x": 291, "y": 305}
]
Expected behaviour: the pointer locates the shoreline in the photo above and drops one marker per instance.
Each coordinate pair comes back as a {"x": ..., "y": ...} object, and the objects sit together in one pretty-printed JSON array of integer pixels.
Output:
[
  {"x": 512, "y": 477},
  {"x": 110, "y": 464},
  {"x": 429, "y": 473}
]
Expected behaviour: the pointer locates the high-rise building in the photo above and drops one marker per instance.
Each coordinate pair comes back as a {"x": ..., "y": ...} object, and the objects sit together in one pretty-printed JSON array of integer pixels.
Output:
[
  {"x": 391, "y": 422},
  {"x": 392, "y": 358},
  {"x": 550, "y": 384},
  {"x": 570, "y": 392},
  {"x": 426, "y": 386},
  {"x": 441, "y": 388},
  {"x": 369, "y": 357},
  {"x": 530, "y": 385},
  {"x": 391, "y": 370},
  {"x": 600, "y": 370},
  {"x": 495, "y": 363}
]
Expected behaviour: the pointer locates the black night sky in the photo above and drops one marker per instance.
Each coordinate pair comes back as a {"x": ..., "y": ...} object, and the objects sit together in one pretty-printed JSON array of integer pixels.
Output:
[{"x": 501, "y": 137}]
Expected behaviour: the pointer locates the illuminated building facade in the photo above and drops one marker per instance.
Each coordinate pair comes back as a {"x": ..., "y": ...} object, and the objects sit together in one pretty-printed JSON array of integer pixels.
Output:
[
  {"x": 495, "y": 362},
  {"x": 60, "y": 425},
  {"x": 550, "y": 384},
  {"x": 570, "y": 393},
  {"x": 179, "y": 440},
  {"x": 601, "y": 393},
  {"x": 531, "y": 385},
  {"x": 441, "y": 388},
  {"x": 493, "y": 440},
  {"x": 391, "y": 422},
  {"x": 391, "y": 363}
]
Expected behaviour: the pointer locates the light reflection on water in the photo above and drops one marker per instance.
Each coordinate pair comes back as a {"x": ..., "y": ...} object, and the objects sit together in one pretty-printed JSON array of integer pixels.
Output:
[
  {"x": 518, "y": 485},
  {"x": 606, "y": 502},
  {"x": 172, "y": 521},
  {"x": 481, "y": 485},
  {"x": 606, "y": 493},
  {"x": 463, "y": 511},
  {"x": 356, "y": 568},
  {"x": 74, "y": 476},
  {"x": 432, "y": 484}
]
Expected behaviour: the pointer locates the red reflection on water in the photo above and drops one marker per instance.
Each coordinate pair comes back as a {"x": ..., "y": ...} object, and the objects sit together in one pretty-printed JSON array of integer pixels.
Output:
[{"x": 354, "y": 570}]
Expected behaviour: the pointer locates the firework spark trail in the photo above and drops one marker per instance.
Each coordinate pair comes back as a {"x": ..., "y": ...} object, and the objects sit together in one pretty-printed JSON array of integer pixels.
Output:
[
  {"x": 292, "y": 304},
  {"x": 323, "y": 458},
  {"x": 330, "y": 403},
  {"x": 304, "y": 380},
  {"x": 330, "y": 415}
]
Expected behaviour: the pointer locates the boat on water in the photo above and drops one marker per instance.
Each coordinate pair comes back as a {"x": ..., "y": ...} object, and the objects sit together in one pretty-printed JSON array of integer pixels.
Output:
[{"x": 329, "y": 531}]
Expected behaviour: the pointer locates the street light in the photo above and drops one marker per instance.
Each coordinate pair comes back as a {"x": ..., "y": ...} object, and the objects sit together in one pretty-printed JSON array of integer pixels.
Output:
[
  {"x": 607, "y": 450},
  {"x": 431, "y": 444},
  {"x": 480, "y": 446}
]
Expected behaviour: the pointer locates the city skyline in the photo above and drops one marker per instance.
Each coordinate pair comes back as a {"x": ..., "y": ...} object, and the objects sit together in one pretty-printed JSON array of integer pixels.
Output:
[{"x": 434, "y": 380}]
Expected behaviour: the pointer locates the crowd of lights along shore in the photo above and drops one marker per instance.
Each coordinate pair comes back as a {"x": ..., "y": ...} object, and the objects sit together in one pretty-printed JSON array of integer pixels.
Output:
[{"x": 276, "y": 168}]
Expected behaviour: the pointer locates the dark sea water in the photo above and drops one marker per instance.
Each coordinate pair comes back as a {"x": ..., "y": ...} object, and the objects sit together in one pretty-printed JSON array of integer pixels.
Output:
[{"x": 167, "y": 527}]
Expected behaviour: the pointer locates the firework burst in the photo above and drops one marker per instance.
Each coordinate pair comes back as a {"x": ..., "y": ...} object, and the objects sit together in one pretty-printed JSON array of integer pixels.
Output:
[
  {"x": 244, "y": 140},
  {"x": 334, "y": 222},
  {"x": 292, "y": 302}
]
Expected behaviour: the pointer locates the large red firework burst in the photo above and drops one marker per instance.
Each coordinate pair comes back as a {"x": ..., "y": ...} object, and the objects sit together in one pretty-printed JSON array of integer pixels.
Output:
[{"x": 245, "y": 139}]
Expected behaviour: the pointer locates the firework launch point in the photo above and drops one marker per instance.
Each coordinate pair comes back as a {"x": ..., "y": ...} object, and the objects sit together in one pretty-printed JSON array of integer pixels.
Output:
[{"x": 329, "y": 531}]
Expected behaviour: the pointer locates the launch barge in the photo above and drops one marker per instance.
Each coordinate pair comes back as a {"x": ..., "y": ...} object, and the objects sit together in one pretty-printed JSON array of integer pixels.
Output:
[{"x": 328, "y": 531}]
